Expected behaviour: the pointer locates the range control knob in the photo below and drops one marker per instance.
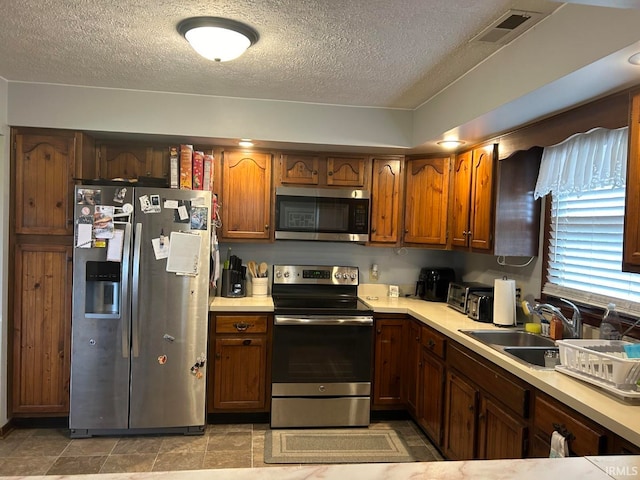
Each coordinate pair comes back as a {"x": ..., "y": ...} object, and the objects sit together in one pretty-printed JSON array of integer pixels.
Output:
[
  {"x": 278, "y": 273},
  {"x": 286, "y": 274},
  {"x": 353, "y": 275}
]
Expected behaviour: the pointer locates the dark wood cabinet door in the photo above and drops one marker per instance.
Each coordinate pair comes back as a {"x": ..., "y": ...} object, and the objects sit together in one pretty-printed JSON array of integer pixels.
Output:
[
  {"x": 412, "y": 384},
  {"x": 631, "y": 248},
  {"x": 461, "y": 199},
  {"x": 347, "y": 171},
  {"x": 389, "y": 345},
  {"x": 385, "y": 200},
  {"x": 460, "y": 418},
  {"x": 482, "y": 204},
  {"x": 246, "y": 194},
  {"x": 44, "y": 170},
  {"x": 41, "y": 329},
  {"x": 501, "y": 435},
  {"x": 240, "y": 373},
  {"x": 431, "y": 398},
  {"x": 133, "y": 160},
  {"x": 427, "y": 200},
  {"x": 299, "y": 169}
]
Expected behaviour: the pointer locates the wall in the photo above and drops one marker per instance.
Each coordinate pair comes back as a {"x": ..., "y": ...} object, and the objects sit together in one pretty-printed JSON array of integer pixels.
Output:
[
  {"x": 397, "y": 266},
  {"x": 4, "y": 247}
]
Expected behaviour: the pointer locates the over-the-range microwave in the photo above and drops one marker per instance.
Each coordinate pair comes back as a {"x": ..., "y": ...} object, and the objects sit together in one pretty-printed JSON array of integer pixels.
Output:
[{"x": 330, "y": 214}]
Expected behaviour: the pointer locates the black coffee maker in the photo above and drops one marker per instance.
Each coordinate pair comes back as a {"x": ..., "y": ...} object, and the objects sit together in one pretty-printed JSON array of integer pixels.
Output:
[{"x": 433, "y": 283}]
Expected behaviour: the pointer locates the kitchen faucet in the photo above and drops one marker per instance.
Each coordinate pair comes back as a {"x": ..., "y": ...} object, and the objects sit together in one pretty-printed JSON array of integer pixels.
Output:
[{"x": 574, "y": 325}]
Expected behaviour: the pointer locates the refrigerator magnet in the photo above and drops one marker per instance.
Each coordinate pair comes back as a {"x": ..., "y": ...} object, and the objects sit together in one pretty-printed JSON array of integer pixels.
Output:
[
  {"x": 88, "y": 196},
  {"x": 181, "y": 214},
  {"x": 199, "y": 216},
  {"x": 162, "y": 359},
  {"x": 120, "y": 194},
  {"x": 103, "y": 222}
]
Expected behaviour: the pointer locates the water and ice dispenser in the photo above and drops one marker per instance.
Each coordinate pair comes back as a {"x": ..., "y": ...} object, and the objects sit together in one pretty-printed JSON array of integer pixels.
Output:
[{"x": 103, "y": 288}]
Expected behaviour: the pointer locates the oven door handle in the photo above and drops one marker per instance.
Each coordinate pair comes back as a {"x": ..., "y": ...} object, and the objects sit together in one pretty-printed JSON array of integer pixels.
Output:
[{"x": 307, "y": 320}]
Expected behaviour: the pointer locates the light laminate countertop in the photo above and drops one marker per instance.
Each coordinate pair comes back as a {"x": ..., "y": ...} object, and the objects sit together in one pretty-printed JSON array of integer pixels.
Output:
[{"x": 610, "y": 412}]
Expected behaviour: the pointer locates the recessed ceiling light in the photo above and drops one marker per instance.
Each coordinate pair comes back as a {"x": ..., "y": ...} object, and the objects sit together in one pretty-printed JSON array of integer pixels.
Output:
[
  {"x": 634, "y": 59},
  {"x": 450, "y": 143},
  {"x": 245, "y": 142},
  {"x": 218, "y": 39}
]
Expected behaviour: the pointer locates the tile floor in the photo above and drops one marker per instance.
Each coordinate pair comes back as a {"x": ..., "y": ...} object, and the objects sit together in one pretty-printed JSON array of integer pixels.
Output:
[{"x": 50, "y": 451}]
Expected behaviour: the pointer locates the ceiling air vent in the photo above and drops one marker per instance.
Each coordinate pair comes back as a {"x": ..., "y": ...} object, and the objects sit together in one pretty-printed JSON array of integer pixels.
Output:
[{"x": 508, "y": 26}]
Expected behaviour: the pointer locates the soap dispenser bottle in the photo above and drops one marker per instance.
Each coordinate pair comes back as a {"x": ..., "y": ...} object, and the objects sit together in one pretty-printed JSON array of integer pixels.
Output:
[{"x": 610, "y": 325}]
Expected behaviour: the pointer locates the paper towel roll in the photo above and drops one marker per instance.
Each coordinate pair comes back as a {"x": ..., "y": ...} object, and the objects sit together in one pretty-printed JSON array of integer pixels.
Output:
[{"x": 504, "y": 302}]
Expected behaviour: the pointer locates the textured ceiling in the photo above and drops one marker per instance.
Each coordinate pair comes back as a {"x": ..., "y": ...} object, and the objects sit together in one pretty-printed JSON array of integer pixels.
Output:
[{"x": 359, "y": 52}]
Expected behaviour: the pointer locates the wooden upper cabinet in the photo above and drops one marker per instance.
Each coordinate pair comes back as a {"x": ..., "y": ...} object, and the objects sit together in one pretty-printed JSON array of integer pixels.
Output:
[
  {"x": 385, "y": 200},
  {"x": 130, "y": 161},
  {"x": 631, "y": 248},
  {"x": 45, "y": 167},
  {"x": 472, "y": 209},
  {"x": 299, "y": 169},
  {"x": 346, "y": 171},
  {"x": 246, "y": 194},
  {"x": 427, "y": 200}
]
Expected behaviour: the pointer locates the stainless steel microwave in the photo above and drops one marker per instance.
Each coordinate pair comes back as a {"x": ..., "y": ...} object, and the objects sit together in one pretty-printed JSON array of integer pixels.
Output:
[{"x": 329, "y": 214}]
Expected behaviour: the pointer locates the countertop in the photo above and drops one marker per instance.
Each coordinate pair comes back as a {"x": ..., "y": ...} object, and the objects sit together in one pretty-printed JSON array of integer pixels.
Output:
[
  {"x": 610, "y": 412},
  {"x": 587, "y": 468}
]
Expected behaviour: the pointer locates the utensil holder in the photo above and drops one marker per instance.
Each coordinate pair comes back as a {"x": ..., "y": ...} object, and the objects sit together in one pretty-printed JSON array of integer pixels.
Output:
[{"x": 259, "y": 286}]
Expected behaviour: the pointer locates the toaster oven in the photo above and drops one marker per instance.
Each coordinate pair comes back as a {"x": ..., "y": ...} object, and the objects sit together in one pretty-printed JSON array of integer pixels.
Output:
[{"x": 459, "y": 292}]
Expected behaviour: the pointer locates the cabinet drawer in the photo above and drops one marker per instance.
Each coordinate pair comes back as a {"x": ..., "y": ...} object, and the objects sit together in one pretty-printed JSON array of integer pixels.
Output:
[
  {"x": 490, "y": 380},
  {"x": 241, "y": 324},
  {"x": 433, "y": 341},
  {"x": 587, "y": 438}
]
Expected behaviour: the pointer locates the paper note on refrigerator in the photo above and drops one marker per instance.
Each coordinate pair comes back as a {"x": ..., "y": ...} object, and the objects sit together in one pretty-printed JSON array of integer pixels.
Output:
[
  {"x": 184, "y": 253},
  {"x": 114, "y": 249},
  {"x": 84, "y": 232},
  {"x": 160, "y": 248}
]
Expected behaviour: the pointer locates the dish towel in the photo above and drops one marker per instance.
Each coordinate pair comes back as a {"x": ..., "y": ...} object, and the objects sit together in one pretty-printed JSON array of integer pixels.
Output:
[{"x": 559, "y": 447}]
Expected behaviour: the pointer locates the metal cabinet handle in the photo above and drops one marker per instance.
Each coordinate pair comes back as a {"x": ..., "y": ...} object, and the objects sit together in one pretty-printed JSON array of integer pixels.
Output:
[{"x": 242, "y": 326}]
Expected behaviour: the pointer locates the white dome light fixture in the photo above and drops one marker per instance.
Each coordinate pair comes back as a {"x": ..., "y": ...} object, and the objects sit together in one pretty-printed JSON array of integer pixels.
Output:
[
  {"x": 217, "y": 39},
  {"x": 450, "y": 144}
]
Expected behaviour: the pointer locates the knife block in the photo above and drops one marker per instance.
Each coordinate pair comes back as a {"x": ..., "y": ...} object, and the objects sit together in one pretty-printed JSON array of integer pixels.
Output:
[{"x": 233, "y": 284}]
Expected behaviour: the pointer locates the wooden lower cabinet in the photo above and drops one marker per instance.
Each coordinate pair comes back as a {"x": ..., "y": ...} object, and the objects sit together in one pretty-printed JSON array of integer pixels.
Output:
[
  {"x": 461, "y": 400},
  {"x": 389, "y": 362},
  {"x": 41, "y": 329},
  {"x": 239, "y": 353},
  {"x": 500, "y": 434},
  {"x": 431, "y": 400},
  {"x": 585, "y": 437},
  {"x": 412, "y": 384}
]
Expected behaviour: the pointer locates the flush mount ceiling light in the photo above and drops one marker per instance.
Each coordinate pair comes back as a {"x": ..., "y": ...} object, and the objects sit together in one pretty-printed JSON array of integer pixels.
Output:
[
  {"x": 218, "y": 39},
  {"x": 450, "y": 143},
  {"x": 634, "y": 59},
  {"x": 245, "y": 142}
]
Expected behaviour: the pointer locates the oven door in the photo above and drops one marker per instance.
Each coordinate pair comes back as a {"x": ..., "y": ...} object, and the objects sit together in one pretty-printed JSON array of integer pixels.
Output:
[{"x": 321, "y": 350}]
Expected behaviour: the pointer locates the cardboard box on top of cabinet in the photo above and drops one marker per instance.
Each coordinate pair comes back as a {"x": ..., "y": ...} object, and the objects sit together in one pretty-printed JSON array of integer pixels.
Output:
[
  {"x": 198, "y": 170},
  {"x": 207, "y": 182},
  {"x": 186, "y": 168},
  {"x": 174, "y": 167}
]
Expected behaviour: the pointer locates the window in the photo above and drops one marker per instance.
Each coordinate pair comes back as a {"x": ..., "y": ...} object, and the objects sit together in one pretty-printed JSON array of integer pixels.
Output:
[
  {"x": 586, "y": 177},
  {"x": 585, "y": 250}
]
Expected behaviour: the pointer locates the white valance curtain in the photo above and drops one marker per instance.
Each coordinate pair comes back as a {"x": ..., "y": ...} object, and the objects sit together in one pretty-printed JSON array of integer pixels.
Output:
[{"x": 584, "y": 161}]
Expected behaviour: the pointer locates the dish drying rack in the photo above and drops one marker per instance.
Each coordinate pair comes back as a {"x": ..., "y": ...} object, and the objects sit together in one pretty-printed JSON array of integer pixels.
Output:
[{"x": 602, "y": 362}]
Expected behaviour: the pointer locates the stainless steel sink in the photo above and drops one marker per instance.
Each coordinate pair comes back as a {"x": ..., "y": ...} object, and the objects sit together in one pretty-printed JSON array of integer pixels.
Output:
[
  {"x": 510, "y": 338},
  {"x": 526, "y": 347},
  {"x": 531, "y": 355}
]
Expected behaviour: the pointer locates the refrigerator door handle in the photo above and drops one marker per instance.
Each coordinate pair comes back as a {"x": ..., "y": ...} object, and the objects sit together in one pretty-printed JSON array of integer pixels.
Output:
[
  {"x": 124, "y": 294},
  {"x": 136, "y": 284}
]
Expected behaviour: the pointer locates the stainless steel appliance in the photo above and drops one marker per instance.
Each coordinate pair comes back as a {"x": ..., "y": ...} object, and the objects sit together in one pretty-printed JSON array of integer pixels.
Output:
[
  {"x": 433, "y": 283},
  {"x": 331, "y": 214},
  {"x": 459, "y": 292},
  {"x": 322, "y": 348},
  {"x": 140, "y": 305},
  {"x": 480, "y": 307}
]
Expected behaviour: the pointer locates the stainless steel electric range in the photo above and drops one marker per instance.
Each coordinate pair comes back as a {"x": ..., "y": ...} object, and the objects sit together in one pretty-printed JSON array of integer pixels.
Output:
[{"x": 322, "y": 348}]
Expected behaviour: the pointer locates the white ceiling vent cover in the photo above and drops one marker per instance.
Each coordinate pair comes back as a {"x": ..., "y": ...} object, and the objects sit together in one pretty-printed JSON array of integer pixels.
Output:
[{"x": 510, "y": 25}]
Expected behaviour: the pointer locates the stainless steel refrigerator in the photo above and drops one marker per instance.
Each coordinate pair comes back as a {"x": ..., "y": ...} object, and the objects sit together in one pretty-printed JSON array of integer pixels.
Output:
[{"x": 140, "y": 306}]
